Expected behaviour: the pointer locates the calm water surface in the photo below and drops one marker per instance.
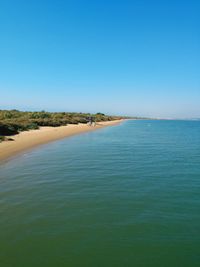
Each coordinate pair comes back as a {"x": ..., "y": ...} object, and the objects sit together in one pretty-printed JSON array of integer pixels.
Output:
[{"x": 127, "y": 195}]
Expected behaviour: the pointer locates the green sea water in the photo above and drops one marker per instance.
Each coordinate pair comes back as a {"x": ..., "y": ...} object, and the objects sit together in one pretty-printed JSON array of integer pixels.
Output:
[{"x": 127, "y": 195}]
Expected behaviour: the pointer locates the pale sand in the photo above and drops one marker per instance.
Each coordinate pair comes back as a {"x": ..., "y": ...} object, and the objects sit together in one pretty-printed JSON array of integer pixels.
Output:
[{"x": 29, "y": 139}]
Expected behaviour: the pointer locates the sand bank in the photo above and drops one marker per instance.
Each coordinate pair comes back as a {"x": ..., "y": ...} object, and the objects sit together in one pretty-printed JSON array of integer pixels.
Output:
[{"x": 29, "y": 139}]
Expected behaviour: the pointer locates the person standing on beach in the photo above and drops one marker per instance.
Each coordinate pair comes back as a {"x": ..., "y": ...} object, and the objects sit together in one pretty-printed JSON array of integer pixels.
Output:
[{"x": 91, "y": 121}]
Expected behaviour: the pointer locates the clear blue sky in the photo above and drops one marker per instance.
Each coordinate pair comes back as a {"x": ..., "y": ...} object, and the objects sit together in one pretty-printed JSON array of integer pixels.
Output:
[{"x": 120, "y": 57}]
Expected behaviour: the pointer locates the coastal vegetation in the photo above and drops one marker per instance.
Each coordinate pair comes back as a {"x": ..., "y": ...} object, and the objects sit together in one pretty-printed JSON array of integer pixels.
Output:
[{"x": 14, "y": 121}]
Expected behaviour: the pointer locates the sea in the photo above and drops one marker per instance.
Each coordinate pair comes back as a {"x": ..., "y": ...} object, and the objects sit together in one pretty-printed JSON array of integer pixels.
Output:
[{"x": 124, "y": 196}]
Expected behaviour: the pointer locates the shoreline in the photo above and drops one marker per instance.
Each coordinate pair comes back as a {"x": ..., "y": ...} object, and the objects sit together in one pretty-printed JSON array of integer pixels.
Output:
[{"x": 30, "y": 139}]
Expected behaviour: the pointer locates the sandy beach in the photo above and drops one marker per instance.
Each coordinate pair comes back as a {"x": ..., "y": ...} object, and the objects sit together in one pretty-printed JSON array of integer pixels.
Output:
[{"x": 29, "y": 139}]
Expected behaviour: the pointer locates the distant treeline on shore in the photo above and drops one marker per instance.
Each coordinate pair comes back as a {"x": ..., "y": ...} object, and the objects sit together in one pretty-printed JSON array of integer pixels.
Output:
[{"x": 14, "y": 121}]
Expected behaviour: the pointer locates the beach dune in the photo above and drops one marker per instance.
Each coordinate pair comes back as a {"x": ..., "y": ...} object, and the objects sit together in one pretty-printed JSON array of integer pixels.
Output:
[{"x": 29, "y": 139}]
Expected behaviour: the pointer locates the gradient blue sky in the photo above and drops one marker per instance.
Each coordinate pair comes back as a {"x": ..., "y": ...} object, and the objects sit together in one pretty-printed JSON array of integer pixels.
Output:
[{"x": 119, "y": 57}]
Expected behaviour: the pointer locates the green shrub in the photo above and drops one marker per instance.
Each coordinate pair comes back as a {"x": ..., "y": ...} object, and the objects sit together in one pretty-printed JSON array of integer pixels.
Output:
[
  {"x": 8, "y": 129},
  {"x": 2, "y": 138}
]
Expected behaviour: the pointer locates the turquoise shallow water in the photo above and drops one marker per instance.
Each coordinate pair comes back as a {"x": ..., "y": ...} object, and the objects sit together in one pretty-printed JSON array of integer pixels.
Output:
[{"x": 127, "y": 195}]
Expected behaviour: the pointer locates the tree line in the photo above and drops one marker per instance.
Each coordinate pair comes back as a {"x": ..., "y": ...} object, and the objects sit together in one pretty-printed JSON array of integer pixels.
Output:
[{"x": 14, "y": 121}]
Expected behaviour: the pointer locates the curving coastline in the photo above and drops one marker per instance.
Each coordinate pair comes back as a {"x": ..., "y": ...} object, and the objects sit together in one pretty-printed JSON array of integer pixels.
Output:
[{"x": 30, "y": 139}]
